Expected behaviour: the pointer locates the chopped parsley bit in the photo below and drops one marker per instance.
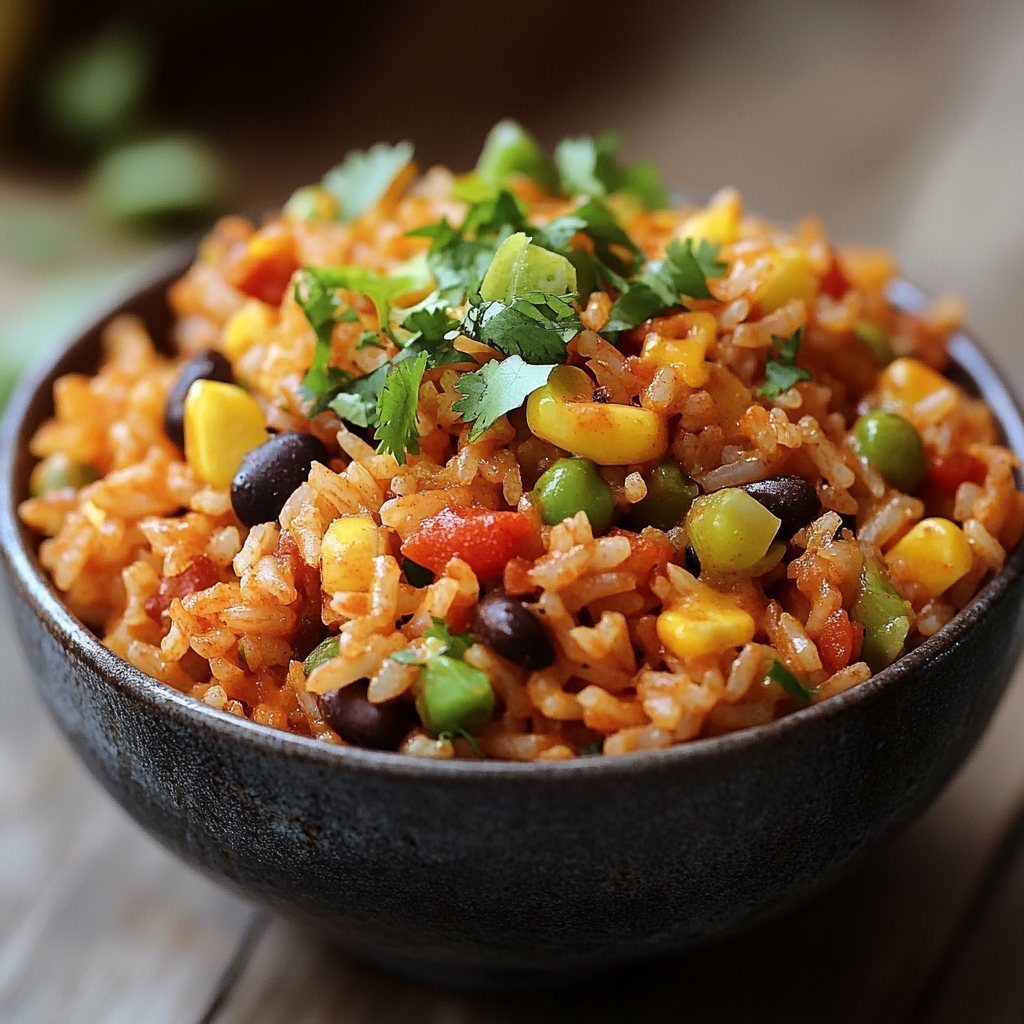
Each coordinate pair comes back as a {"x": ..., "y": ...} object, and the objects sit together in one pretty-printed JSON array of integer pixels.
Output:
[
  {"x": 778, "y": 673},
  {"x": 590, "y": 167},
  {"x": 406, "y": 657},
  {"x": 362, "y": 179},
  {"x": 417, "y": 575},
  {"x": 536, "y": 326},
  {"x": 448, "y": 736},
  {"x": 661, "y": 286},
  {"x": 396, "y": 408},
  {"x": 781, "y": 371},
  {"x": 497, "y": 388},
  {"x": 592, "y": 748},
  {"x": 369, "y": 339},
  {"x": 454, "y": 645}
]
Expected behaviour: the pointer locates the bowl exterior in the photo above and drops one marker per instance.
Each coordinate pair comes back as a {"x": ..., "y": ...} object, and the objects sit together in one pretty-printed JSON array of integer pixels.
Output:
[{"x": 504, "y": 866}]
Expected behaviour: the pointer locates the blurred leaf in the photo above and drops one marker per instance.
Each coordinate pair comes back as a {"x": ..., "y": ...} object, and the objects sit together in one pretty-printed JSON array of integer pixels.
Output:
[
  {"x": 96, "y": 92},
  {"x": 176, "y": 175}
]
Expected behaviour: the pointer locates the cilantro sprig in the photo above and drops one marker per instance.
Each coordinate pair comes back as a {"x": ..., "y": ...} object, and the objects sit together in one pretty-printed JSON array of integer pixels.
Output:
[
  {"x": 497, "y": 388},
  {"x": 362, "y": 179},
  {"x": 683, "y": 272},
  {"x": 590, "y": 167},
  {"x": 536, "y": 326},
  {"x": 781, "y": 371},
  {"x": 396, "y": 408}
]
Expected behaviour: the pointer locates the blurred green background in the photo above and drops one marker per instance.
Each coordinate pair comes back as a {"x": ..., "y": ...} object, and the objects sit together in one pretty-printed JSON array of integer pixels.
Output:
[{"x": 125, "y": 123}]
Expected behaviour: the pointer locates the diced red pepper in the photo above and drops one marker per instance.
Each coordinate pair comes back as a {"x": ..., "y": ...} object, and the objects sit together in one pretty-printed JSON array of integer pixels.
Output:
[
  {"x": 835, "y": 282},
  {"x": 835, "y": 642},
  {"x": 200, "y": 575},
  {"x": 485, "y": 540},
  {"x": 265, "y": 266},
  {"x": 947, "y": 473}
]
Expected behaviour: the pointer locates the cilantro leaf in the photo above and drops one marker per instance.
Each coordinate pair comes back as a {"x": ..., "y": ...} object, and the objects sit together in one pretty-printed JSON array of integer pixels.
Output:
[
  {"x": 323, "y": 309},
  {"x": 379, "y": 288},
  {"x": 428, "y": 319},
  {"x": 643, "y": 181},
  {"x": 590, "y": 167},
  {"x": 396, "y": 408},
  {"x": 537, "y": 326},
  {"x": 497, "y": 388},
  {"x": 454, "y": 645},
  {"x": 492, "y": 215},
  {"x": 613, "y": 248},
  {"x": 661, "y": 286},
  {"x": 459, "y": 257},
  {"x": 360, "y": 181},
  {"x": 406, "y": 657},
  {"x": 778, "y": 673},
  {"x": 781, "y": 371}
]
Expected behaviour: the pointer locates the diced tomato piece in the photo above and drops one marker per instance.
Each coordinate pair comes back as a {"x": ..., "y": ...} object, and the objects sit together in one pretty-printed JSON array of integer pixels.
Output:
[
  {"x": 200, "y": 575},
  {"x": 947, "y": 473},
  {"x": 265, "y": 266},
  {"x": 835, "y": 282},
  {"x": 485, "y": 540},
  {"x": 648, "y": 557},
  {"x": 835, "y": 642}
]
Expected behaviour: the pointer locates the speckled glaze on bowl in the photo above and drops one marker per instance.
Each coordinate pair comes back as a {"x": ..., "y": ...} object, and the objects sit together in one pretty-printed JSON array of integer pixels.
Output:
[{"x": 490, "y": 872}]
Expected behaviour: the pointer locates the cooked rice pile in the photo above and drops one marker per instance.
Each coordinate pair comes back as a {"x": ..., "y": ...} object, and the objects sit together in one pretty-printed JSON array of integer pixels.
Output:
[{"x": 156, "y": 561}]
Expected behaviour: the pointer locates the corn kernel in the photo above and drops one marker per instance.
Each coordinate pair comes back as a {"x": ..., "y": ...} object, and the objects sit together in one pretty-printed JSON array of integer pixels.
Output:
[
  {"x": 222, "y": 423},
  {"x": 933, "y": 555},
  {"x": 605, "y": 433},
  {"x": 349, "y": 547},
  {"x": 251, "y": 325},
  {"x": 704, "y": 622},
  {"x": 718, "y": 222},
  {"x": 907, "y": 382},
  {"x": 688, "y": 352},
  {"x": 792, "y": 277}
]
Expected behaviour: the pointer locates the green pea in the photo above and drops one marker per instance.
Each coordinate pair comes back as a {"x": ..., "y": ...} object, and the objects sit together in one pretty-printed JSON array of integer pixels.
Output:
[
  {"x": 321, "y": 654},
  {"x": 669, "y": 496},
  {"x": 57, "y": 472},
  {"x": 509, "y": 149},
  {"x": 730, "y": 531},
  {"x": 452, "y": 695},
  {"x": 892, "y": 445},
  {"x": 571, "y": 486},
  {"x": 883, "y": 614},
  {"x": 875, "y": 339}
]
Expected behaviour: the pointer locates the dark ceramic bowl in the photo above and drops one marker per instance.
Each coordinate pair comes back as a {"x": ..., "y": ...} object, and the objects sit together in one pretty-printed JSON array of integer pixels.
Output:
[{"x": 495, "y": 871}]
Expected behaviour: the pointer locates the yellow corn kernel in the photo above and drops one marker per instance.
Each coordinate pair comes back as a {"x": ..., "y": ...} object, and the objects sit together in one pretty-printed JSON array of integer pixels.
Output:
[
  {"x": 222, "y": 423},
  {"x": 251, "y": 325},
  {"x": 907, "y": 382},
  {"x": 933, "y": 555},
  {"x": 718, "y": 222},
  {"x": 608, "y": 434},
  {"x": 686, "y": 353},
  {"x": 704, "y": 622},
  {"x": 349, "y": 547},
  {"x": 792, "y": 277}
]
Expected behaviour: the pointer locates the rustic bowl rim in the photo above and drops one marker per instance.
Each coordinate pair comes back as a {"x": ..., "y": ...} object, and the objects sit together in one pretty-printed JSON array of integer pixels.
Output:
[{"x": 34, "y": 586}]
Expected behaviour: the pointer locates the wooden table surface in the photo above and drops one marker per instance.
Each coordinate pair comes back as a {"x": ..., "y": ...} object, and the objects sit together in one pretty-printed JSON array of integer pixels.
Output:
[{"x": 901, "y": 124}]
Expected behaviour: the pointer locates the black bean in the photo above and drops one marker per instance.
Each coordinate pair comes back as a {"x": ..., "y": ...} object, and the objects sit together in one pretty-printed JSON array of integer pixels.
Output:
[
  {"x": 377, "y": 726},
  {"x": 692, "y": 561},
  {"x": 509, "y": 629},
  {"x": 269, "y": 473},
  {"x": 791, "y": 498},
  {"x": 208, "y": 365}
]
